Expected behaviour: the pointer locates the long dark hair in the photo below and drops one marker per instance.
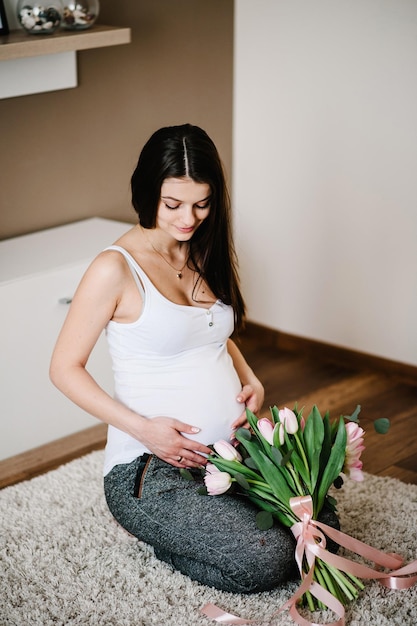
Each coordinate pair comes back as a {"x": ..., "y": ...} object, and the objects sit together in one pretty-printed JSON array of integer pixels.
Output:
[{"x": 187, "y": 151}]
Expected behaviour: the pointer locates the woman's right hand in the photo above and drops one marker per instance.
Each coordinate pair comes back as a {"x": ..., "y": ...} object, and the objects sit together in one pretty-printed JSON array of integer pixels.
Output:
[{"x": 166, "y": 438}]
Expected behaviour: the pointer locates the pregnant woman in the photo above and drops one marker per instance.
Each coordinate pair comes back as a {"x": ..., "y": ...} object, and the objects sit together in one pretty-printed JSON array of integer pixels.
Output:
[{"x": 167, "y": 294}]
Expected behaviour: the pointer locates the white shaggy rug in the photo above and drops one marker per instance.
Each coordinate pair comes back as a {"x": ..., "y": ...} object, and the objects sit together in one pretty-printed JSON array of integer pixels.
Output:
[{"x": 64, "y": 561}]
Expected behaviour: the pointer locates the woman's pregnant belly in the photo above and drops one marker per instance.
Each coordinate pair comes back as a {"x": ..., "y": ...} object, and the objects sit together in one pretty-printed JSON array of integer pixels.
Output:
[{"x": 198, "y": 388}]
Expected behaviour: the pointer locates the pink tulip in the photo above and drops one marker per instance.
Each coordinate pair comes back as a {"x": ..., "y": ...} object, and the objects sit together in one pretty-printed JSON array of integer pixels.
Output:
[
  {"x": 211, "y": 468},
  {"x": 356, "y": 473},
  {"x": 217, "y": 482},
  {"x": 354, "y": 448},
  {"x": 227, "y": 451},
  {"x": 266, "y": 428},
  {"x": 289, "y": 419}
]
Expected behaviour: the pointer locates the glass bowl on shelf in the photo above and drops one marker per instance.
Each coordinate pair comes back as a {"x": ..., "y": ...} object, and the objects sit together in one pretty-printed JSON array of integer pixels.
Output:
[
  {"x": 40, "y": 18},
  {"x": 80, "y": 14}
]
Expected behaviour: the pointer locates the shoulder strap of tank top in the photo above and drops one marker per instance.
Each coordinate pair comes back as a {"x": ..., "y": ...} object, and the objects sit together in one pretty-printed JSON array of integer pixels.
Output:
[{"x": 134, "y": 267}]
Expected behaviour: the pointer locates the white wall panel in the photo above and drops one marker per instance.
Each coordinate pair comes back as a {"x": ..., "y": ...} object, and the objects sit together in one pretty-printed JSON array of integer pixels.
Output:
[
  {"x": 37, "y": 273},
  {"x": 325, "y": 161}
]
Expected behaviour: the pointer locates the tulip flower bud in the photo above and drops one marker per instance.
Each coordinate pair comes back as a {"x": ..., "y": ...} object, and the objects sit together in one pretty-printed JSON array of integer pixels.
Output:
[
  {"x": 266, "y": 428},
  {"x": 354, "y": 449},
  {"x": 227, "y": 451},
  {"x": 217, "y": 483},
  {"x": 211, "y": 468},
  {"x": 289, "y": 419}
]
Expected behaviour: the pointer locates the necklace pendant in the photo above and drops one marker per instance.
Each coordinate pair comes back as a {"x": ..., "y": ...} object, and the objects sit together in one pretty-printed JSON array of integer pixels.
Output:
[{"x": 179, "y": 275}]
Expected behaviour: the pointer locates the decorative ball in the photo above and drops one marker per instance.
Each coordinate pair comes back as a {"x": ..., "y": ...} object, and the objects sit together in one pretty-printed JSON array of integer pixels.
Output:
[
  {"x": 80, "y": 14},
  {"x": 40, "y": 18}
]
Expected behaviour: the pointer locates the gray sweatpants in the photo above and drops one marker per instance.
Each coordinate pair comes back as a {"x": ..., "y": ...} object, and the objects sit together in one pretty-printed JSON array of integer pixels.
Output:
[{"x": 211, "y": 539}]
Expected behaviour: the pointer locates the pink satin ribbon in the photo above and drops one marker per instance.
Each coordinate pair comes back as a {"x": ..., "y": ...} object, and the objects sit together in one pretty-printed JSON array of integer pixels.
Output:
[{"x": 311, "y": 543}]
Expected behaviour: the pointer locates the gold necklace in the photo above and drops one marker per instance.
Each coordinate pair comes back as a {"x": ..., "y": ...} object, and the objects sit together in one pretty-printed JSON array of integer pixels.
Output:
[{"x": 179, "y": 272}]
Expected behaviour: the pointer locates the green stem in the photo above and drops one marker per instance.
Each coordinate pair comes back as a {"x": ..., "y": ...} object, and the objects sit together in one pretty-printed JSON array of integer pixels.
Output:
[
  {"x": 320, "y": 579},
  {"x": 347, "y": 587},
  {"x": 269, "y": 497},
  {"x": 260, "y": 483},
  {"x": 310, "y": 601},
  {"x": 329, "y": 583},
  {"x": 302, "y": 452},
  {"x": 295, "y": 478},
  {"x": 332, "y": 584},
  {"x": 358, "y": 583}
]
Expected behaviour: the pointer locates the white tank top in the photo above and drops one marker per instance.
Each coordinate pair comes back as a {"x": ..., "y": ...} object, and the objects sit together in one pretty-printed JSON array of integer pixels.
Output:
[{"x": 173, "y": 362}]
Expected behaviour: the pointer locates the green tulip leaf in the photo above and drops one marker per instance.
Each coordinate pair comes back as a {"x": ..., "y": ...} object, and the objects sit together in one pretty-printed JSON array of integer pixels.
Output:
[
  {"x": 313, "y": 438},
  {"x": 327, "y": 444},
  {"x": 274, "y": 414},
  {"x": 276, "y": 455},
  {"x": 286, "y": 458},
  {"x": 334, "y": 465},
  {"x": 275, "y": 438},
  {"x": 298, "y": 464},
  {"x": 382, "y": 425},
  {"x": 202, "y": 491},
  {"x": 277, "y": 480},
  {"x": 233, "y": 467},
  {"x": 264, "y": 520},
  {"x": 252, "y": 419}
]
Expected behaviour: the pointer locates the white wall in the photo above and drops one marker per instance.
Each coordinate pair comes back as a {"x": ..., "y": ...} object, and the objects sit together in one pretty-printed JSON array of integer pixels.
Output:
[{"x": 325, "y": 169}]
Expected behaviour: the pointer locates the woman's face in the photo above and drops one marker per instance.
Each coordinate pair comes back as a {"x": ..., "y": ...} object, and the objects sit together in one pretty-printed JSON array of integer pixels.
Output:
[{"x": 183, "y": 207}]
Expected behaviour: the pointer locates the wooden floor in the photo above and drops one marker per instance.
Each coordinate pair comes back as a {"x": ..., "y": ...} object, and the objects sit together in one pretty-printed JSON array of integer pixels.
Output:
[
  {"x": 291, "y": 377},
  {"x": 332, "y": 380}
]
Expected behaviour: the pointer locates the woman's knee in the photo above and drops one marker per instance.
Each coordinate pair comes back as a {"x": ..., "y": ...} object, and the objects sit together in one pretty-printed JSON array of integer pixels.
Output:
[
  {"x": 223, "y": 576},
  {"x": 243, "y": 572}
]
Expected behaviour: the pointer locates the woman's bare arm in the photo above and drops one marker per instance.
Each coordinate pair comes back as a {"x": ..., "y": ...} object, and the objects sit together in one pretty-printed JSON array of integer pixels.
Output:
[{"x": 95, "y": 302}]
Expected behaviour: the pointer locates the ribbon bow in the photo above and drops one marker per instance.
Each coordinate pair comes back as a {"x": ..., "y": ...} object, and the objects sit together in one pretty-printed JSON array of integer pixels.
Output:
[{"x": 311, "y": 544}]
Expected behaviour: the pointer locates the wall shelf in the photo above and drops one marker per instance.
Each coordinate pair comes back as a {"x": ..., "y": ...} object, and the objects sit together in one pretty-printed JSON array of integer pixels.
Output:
[{"x": 18, "y": 44}]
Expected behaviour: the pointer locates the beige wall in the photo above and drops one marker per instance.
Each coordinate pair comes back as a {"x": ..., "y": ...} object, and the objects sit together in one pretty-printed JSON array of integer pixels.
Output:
[{"x": 68, "y": 155}]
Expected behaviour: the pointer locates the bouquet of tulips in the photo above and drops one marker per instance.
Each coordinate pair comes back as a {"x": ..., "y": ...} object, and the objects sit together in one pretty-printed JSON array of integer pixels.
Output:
[{"x": 285, "y": 465}]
